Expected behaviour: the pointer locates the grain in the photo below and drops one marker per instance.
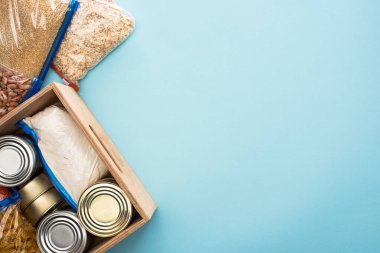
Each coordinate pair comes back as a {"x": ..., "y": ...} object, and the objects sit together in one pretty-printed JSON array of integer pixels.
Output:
[
  {"x": 28, "y": 29},
  {"x": 96, "y": 29}
]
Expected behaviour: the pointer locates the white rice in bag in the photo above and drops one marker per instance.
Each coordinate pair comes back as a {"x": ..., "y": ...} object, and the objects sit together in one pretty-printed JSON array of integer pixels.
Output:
[{"x": 66, "y": 150}]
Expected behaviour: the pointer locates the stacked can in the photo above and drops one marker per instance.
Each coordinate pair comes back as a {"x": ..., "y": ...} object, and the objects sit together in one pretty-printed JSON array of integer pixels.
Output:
[
  {"x": 18, "y": 160},
  {"x": 104, "y": 209},
  {"x": 38, "y": 198}
]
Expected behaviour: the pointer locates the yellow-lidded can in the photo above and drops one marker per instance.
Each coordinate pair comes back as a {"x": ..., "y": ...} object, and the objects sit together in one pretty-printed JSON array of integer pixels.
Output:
[
  {"x": 42, "y": 205},
  {"x": 104, "y": 209},
  {"x": 33, "y": 189}
]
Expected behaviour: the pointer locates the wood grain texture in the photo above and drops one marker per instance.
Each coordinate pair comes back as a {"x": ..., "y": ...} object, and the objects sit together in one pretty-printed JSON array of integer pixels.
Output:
[
  {"x": 109, "y": 243},
  {"x": 99, "y": 140},
  {"x": 107, "y": 151},
  {"x": 30, "y": 107}
]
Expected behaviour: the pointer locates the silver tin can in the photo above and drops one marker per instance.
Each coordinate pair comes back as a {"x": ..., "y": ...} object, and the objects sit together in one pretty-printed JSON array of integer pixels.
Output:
[
  {"x": 61, "y": 232},
  {"x": 18, "y": 160}
]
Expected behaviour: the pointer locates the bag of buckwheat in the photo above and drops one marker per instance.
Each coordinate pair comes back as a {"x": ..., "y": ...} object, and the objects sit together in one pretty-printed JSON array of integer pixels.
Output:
[{"x": 96, "y": 29}]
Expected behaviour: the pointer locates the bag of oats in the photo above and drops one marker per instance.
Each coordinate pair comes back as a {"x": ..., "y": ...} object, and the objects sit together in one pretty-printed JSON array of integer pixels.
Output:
[{"x": 96, "y": 29}]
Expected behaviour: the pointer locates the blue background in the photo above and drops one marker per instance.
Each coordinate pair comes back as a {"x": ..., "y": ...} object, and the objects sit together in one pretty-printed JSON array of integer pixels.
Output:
[{"x": 254, "y": 124}]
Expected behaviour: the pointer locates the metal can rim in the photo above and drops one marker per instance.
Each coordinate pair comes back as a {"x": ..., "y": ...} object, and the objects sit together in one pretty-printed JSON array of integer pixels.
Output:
[
  {"x": 29, "y": 155},
  {"x": 34, "y": 189},
  {"x": 67, "y": 218},
  {"x": 98, "y": 228},
  {"x": 36, "y": 210}
]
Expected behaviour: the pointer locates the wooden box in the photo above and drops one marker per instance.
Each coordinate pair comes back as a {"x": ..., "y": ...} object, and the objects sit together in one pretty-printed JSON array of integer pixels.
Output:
[{"x": 106, "y": 150}]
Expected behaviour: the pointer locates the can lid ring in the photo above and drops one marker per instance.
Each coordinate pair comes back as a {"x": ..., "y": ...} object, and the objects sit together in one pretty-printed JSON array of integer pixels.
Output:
[
  {"x": 121, "y": 213},
  {"x": 28, "y": 159},
  {"x": 61, "y": 231}
]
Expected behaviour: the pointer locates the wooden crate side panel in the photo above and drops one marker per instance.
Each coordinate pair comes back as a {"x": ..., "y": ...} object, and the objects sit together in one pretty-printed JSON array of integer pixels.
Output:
[
  {"x": 106, "y": 245},
  {"x": 30, "y": 107},
  {"x": 107, "y": 151},
  {"x": 57, "y": 93}
]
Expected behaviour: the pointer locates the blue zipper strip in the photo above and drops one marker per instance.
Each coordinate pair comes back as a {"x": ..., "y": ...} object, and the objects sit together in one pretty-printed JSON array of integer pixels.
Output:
[
  {"x": 61, "y": 190},
  {"x": 38, "y": 81},
  {"x": 14, "y": 198}
]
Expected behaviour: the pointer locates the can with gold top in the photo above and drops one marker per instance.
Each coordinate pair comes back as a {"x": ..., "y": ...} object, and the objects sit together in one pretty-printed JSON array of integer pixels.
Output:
[
  {"x": 33, "y": 189},
  {"x": 42, "y": 205},
  {"x": 38, "y": 198},
  {"x": 104, "y": 209}
]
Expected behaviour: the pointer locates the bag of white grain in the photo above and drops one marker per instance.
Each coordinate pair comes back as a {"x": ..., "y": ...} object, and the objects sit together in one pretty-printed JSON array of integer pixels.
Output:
[
  {"x": 97, "y": 28},
  {"x": 68, "y": 158}
]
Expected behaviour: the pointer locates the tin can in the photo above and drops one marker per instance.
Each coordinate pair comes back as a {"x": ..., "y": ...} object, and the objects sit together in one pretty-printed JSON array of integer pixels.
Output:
[
  {"x": 61, "y": 231},
  {"x": 104, "y": 209},
  {"x": 33, "y": 189},
  {"x": 42, "y": 205},
  {"x": 18, "y": 160}
]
